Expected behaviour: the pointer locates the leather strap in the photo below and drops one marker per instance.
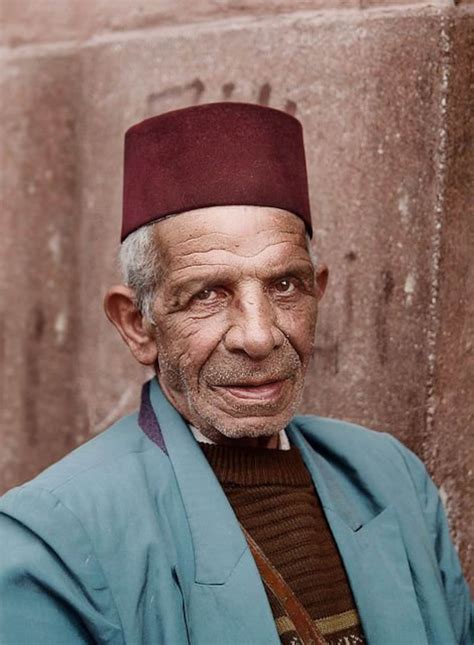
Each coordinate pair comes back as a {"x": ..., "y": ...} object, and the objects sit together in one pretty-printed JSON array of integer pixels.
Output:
[{"x": 304, "y": 626}]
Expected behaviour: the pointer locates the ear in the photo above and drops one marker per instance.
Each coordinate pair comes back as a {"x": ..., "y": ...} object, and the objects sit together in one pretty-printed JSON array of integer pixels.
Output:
[
  {"x": 322, "y": 275},
  {"x": 119, "y": 305}
]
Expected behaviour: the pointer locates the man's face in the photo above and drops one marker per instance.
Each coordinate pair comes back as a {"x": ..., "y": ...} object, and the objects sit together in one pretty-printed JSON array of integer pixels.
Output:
[{"x": 235, "y": 315}]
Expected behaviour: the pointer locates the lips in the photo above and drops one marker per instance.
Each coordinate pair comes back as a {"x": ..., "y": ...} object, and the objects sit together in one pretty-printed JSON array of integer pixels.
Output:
[{"x": 266, "y": 391}]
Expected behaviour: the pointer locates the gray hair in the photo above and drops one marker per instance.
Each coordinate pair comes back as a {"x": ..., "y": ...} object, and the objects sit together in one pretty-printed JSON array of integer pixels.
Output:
[{"x": 140, "y": 266}]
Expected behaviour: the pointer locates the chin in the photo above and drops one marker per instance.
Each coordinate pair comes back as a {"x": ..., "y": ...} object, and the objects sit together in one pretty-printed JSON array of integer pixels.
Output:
[
  {"x": 251, "y": 430},
  {"x": 216, "y": 426}
]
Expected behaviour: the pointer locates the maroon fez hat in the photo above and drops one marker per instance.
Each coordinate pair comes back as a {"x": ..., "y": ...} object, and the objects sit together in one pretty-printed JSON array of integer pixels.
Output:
[{"x": 216, "y": 154}]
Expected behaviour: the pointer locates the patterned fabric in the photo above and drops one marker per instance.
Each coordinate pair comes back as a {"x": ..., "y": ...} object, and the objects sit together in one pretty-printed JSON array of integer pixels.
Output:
[{"x": 273, "y": 497}]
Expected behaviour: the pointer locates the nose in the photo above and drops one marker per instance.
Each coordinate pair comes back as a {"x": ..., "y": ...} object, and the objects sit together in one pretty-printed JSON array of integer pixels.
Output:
[{"x": 253, "y": 329}]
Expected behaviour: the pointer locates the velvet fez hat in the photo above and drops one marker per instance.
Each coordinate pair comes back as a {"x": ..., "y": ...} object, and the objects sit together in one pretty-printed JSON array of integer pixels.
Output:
[{"x": 214, "y": 154}]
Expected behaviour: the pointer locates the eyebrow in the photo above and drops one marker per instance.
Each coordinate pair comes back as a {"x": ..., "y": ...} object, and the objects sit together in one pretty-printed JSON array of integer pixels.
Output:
[
  {"x": 298, "y": 268},
  {"x": 301, "y": 268},
  {"x": 209, "y": 277}
]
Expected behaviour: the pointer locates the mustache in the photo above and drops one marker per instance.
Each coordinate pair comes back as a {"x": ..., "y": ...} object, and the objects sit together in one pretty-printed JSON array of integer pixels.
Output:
[{"x": 241, "y": 370}]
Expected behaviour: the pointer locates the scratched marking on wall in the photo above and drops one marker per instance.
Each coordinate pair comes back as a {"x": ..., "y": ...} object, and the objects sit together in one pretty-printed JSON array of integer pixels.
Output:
[{"x": 194, "y": 92}]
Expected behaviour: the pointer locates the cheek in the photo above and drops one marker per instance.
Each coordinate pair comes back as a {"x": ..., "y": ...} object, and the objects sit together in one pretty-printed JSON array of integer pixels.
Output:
[
  {"x": 298, "y": 324},
  {"x": 187, "y": 343}
]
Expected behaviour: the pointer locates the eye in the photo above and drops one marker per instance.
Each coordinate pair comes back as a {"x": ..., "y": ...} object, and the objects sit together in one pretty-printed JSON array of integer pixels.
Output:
[
  {"x": 285, "y": 285},
  {"x": 205, "y": 294}
]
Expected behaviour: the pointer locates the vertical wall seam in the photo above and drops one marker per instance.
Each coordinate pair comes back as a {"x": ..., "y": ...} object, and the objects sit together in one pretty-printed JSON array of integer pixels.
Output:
[{"x": 430, "y": 447}]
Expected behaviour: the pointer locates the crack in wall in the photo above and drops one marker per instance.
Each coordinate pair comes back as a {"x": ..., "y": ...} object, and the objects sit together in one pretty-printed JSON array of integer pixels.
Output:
[{"x": 430, "y": 447}]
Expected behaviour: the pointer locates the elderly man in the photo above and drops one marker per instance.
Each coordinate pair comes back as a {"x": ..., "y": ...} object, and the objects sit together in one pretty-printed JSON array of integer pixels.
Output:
[{"x": 213, "y": 515}]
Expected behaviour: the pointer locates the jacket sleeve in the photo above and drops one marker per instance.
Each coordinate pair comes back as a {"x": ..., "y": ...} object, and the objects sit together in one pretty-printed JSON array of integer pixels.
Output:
[
  {"x": 51, "y": 586},
  {"x": 457, "y": 593}
]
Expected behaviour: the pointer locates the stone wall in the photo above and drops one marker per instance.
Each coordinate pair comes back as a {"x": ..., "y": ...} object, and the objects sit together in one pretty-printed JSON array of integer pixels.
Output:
[{"x": 385, "y": 95}]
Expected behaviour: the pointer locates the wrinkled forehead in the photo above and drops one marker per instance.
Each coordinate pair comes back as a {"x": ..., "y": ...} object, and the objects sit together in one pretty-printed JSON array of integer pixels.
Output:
[{"x": 244, "y": 230}]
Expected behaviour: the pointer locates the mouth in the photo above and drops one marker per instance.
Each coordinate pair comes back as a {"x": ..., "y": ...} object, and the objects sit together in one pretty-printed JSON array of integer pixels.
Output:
[{"x": 267, "y": 391}]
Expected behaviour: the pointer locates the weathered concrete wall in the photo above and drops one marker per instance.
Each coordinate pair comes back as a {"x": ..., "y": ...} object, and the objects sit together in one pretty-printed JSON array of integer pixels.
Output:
[
  {"x": 50, "y": 21},
  {"x": 385, "y": 100}
]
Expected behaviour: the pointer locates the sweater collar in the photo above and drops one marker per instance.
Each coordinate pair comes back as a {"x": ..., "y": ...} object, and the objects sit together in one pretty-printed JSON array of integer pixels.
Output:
[{"x": 240, "y": 466}]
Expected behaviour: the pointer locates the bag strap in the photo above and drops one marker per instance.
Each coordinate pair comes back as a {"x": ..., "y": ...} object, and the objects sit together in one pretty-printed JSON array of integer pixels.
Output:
[{"x": 304, "y": 626}]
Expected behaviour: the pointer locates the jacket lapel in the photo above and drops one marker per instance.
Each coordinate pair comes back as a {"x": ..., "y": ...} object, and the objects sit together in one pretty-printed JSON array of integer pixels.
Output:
[
  {"x": 210, "y": 517},
  {"x": 227, "y": 602},
  {"x": 374, "y": 556}
]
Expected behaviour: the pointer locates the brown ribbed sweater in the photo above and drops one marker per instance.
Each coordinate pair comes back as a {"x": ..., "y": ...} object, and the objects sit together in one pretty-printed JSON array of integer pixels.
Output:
[{"x": 273, "y": 496}]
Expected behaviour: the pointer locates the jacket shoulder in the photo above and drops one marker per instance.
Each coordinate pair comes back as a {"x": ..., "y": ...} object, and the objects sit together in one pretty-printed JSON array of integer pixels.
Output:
[
  {"x": 106, "y": 453},
  {"x": 72, "y": 531},
  {"x": 375, "y": 455},
  {"x": 106, "y": 477}
]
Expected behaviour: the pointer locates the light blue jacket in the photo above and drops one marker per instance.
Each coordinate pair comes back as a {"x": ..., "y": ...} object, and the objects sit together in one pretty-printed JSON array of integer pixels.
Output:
[{"x": 130, "y": 539}]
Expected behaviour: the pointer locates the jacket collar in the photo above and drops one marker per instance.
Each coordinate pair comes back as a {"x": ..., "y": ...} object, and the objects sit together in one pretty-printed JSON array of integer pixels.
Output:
[{"x": 217, "y": 539}]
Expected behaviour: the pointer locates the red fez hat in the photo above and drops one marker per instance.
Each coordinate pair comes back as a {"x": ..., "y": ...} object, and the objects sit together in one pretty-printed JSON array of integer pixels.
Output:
[{"x": 216, "y": 154}]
